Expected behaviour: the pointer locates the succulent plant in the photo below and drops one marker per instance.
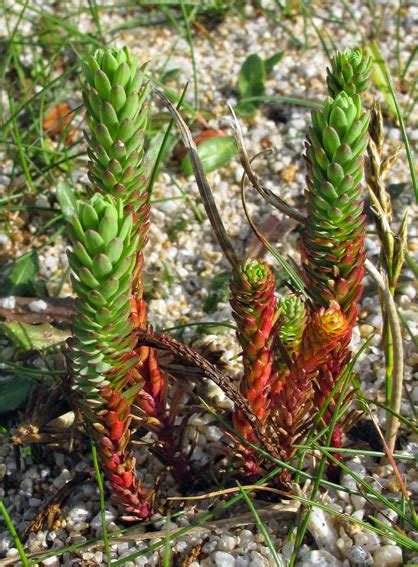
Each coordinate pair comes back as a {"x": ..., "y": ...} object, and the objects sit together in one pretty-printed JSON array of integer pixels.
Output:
[
  {"x": 253, "y": 303},
  {"x": 293, "y": 404},
  {"x": 292, "y": 319},
  {"x": 102, "y": 261},
  {"x": 102, "y": 357},
  {"x": 114, "y": 95},
  {"x": 333, "y": 237},
  {"x": 291, "y": 324},
  {"x": 350, "y": 72}
]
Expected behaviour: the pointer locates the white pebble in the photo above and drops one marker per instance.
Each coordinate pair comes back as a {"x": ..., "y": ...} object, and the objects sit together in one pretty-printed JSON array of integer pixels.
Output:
[
  {"x": 257, "y": 560},
  {"x": 322, "y": 529},
  {"x": 223, "y": 559},
  {"x": 226, "y": 543},
  {"x": 5, "y": 542},
  {"x": 38, "y": 306},
  {"x": 181, "y": 546},
  {"x": 51, "y": 561},
  {"x": 321, "y": 558},
  {"x": 62, "y": 479},
  {"x": 388, "y": 556},
  {"x": 359, "y": 556},
  {"x": 96, "y": 522},
  {"x": 78, "y": 514},
  {"x": 8, "y": 302}
]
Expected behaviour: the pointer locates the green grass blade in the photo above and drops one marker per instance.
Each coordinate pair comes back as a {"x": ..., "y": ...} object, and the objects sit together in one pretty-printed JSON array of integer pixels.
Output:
[
  {"x": 262, "y": 527},
  {"x": 13, "y": 533},
  {"x": 99, "y": 479},
  {"x": 163, "y": 146},
  {"x": 186, "y": 19}
]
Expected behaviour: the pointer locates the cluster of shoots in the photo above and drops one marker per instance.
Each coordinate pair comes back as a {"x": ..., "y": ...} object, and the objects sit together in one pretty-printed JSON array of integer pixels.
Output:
[{"x": 294, "y": 347}]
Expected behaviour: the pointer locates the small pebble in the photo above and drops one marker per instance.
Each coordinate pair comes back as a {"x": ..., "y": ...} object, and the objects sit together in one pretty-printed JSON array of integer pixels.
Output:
[
  {"x": 38, "y": 306},
  {"x": 226, "y": 543},
  {"x": 8, "y": 302},
  {"x": 51, "y": 561},
  {"x": 96, "y": 522},
  {"x": 320, "y": 558},
  {"x": 388, "y": 556},
  {"x": 223, "y": 559}
]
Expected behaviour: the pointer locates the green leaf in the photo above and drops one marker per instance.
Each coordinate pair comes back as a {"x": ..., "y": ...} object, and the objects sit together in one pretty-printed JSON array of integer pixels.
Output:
[
  {"x": 24, "y": 270},
  {"x": 251, "y": 77},
  {"x": 246, "y": 108},
  {"x": 14, "y": 391},
  {"x": 33, "y": 337},
  {"x": 214, "y": 153},
  {"x": 270, "y": 63},
  {"x": 66, "y": 199}
]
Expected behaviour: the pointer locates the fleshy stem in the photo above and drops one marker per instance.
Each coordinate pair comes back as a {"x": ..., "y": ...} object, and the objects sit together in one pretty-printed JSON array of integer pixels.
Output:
[
  {"x": 333, "y": 238},
  {"x": 253, "y": 303},
  {"x": 291, "y": 325},
  {"x": 102, "y": 356},
  {"x": 115, "y": 96},
  {"x": 325, "y": 332}
]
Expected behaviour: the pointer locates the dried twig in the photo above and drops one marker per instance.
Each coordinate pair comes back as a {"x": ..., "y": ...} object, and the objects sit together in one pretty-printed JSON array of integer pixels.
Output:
[
  {"x": 202, "y": 182},
  {"x": 281, "y": 510},
  {"x": 189, "y": 356},
  {"x": 268, "y": 195},
  {"x": 52, "y": 508}
]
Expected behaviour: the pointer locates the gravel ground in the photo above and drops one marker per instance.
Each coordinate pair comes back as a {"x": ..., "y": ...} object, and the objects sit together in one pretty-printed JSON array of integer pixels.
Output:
[{"x": 192, "y": 257}]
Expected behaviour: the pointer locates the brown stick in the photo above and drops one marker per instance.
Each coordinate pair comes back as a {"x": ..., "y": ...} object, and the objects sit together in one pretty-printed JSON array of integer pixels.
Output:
[{"x": 188, "y": 355}]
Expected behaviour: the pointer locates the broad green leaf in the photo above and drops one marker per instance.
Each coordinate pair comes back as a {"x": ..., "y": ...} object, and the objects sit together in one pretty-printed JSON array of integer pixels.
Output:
[
  {"x": 23, "y": 272},
  {"x": 14, "y": 391},
  {"x": 33, "y": 337},
  {"x": 251, "y": 77},
  {"x": 66, "y": 199},
  {"x": 214, "y": 153},
  {"x": 270, "y": 63}
]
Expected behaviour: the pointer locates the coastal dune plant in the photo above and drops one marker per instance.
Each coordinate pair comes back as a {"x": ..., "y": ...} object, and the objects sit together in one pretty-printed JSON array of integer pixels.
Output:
[
  {"x": 294, "y": 347},
  {"x": 300, "y": 349},
  {"x": 109, "y": 231}
]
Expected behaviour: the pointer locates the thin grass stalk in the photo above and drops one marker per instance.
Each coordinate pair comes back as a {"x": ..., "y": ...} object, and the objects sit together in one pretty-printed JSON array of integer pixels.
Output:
[
  {"x": 320, "y": 472},
  {"x": 99, "y": 479},
  {"x": 262, "y": 527},
  {"x": 186, "y": 20},
  {"x": 393, "y": 245},
  {"x": 392, "y": 425},
  {"x": 203, "y": 519},
  {"x": 13, "y": 533},
  {"x": 405, "y": 138}
]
